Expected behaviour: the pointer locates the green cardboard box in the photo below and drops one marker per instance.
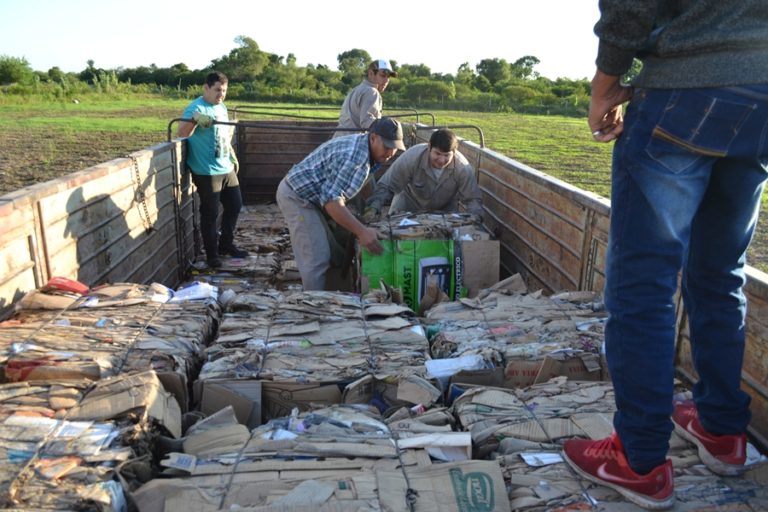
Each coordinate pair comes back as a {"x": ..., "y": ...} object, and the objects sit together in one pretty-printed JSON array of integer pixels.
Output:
[{"x": 406, "y": 264}]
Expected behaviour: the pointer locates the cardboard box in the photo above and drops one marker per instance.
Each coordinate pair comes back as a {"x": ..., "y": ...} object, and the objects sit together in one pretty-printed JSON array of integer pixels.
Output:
[
  {"x": 463, "y": 267},
  {"x": 279, "y": 398},
  {"x": 257, "y": 401},
  {"x": 523, "y": 373},
  {"x": 479, "y": 257},
  {"x": 245, "y": 397},
  {"x": 480, "y": 260},
  {"x": 177, "y": 385},
  {"x": 526, "y": 372},
  {"x": 388, "y": 393},
  {"x": 406, "y": 264}
]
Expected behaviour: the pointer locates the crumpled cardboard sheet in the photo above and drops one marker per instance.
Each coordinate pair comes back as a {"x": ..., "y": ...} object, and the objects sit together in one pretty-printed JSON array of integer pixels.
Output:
[
  {"x": 449, "y": 487},
  {"x": 334, "y": 431},
  {"x": 524, "y": 430},
  {"x": 95, "y": 343},
  {"x": 262, "y": 232},
  {"x": 109, "y": 295},
  {"x": 330, "y": 459},
  {"x": 60, "y": 442},
  {"x": 259, "y": 266},
  {"x": 427, "y": 226},
  {"x": 55, "y": 457},
  {"x": 313, "y": 337},
  {"x": 512, "y": 329},
  {"x": 139, "y": 394},
  {"x": 543, "y": 412}
]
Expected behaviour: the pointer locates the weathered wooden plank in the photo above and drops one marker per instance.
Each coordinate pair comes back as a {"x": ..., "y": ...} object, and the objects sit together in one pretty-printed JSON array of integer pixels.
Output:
[
  {"x": 16, "y": 255},
  {"x": 18, "y": 221},
  {"x": 13, "y": 287},
  {"x": 92, "y": 224},
  {"x": 72, "y": 215},
  {"x": 266, "y": 146},
  {"x": 548, "y": 245},
  {"x": 250, "y": 164}
]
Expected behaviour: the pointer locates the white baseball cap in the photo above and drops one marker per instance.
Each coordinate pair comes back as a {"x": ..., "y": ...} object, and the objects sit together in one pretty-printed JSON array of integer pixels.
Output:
[{"x": 382, "y": 64}]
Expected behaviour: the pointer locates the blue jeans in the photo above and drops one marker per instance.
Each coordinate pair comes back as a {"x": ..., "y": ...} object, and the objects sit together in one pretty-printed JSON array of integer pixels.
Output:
[{"x": 688, "y": 174}]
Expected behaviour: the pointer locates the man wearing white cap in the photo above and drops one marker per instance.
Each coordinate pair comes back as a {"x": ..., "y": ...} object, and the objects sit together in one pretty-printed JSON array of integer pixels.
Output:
[{"x": 363, "y": 105}]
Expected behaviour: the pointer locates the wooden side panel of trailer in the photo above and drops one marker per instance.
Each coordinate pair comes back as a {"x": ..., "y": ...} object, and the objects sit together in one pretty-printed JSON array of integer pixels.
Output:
[
  {"x": 267, "y": 151},
  {"x": 130, "y": 219}
]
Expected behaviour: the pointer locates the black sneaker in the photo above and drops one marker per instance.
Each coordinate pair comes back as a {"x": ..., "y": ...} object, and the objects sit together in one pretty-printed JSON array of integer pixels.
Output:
[
  {"x": 233, "y": 251},
  {"x": 214, "y": 262}
]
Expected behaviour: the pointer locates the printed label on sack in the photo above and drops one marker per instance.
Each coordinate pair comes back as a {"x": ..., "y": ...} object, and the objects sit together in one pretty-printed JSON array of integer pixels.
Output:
[{"x": 474, "y": 491}]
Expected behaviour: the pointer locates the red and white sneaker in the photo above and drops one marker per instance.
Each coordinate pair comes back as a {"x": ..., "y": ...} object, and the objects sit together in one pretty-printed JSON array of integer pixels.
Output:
[
  {"x": 604, "y": 463},
  {"x": 723, "y": 455}
]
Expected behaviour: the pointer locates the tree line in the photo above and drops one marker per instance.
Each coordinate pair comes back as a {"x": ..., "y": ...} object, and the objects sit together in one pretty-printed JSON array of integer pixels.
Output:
[{"x": 493, "y": 85}]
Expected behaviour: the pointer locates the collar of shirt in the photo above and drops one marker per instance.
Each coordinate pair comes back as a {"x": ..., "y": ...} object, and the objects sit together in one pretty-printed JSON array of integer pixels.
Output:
[{"x": 336, "y": 169}]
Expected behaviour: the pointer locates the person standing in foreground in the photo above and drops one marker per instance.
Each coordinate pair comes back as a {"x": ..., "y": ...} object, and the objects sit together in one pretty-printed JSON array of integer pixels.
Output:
[
  {"x": 212, "y": 161},
  {"x": 431, "y": 177},
  {"x": 321, "y": 184},
  {"x": 689, "y": 167},
  {"x": 363, "y": 104}
]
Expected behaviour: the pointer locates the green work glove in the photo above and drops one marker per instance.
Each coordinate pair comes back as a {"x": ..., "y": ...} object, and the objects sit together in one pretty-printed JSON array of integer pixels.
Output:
[{"x": 202, "y": 120}]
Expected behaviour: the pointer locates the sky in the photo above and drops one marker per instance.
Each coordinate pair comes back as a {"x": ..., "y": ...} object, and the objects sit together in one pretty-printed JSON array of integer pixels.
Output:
[{"x": 442, "y": 34}]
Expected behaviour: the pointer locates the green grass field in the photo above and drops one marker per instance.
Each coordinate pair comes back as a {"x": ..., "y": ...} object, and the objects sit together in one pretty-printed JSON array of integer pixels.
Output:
[{"x": 42, "y": 140}]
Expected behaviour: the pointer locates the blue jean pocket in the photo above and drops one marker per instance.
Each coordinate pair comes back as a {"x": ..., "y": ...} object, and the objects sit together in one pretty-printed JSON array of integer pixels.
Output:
[{"x": 696, "y": 124}]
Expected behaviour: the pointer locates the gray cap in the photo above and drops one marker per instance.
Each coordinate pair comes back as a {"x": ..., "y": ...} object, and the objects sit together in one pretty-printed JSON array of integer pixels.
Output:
[{"x": 390, "y": 131}]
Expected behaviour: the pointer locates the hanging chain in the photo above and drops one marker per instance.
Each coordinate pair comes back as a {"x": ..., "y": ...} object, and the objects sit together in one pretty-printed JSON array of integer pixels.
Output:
[{"x": 141, "y": 197}]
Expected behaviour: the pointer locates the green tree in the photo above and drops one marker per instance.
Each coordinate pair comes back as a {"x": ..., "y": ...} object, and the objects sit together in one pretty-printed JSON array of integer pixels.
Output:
[
  {"x": 407, "y": 71},
  {"x": 353, "y": 65},
  {"x": 523, "y": 67},
  {"x": 465, "y": 75},
  {"x": 425, "y": 90},
  {"x": 244, "y": 63},
  {"x": 91, "y": 73},
  {"x": 482, "y": 84},
  {"x": 15, "y": 70},
  {"x": 55, "y": 74},
  {"x": 494, "y": 70},
  {"x": 519, "y": 96}
]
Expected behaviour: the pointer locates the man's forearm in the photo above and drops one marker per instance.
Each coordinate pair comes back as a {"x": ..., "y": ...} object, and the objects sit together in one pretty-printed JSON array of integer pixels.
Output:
[{"x": 343, "y": 217}]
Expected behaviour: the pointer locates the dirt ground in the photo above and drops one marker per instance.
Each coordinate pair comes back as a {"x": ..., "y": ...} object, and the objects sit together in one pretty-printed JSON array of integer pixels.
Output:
[{"x": 29, "y": 156}]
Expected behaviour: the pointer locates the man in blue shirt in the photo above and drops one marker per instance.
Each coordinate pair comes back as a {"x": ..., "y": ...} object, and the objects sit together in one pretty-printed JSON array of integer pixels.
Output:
[
  {"x": 322, "y": 183},
  {"x": 212, "y": 161}
]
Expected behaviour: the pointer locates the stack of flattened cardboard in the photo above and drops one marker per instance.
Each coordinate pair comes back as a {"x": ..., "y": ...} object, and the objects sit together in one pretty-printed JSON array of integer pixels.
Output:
[
  {"x": 107, "y": 331},
  {"x": 63, "y": 445},
  {"x": 427, "y": 226},
  {"x": 261, "y": 229},
  {"x": 524, "y": 430},
  {"x": 262, "y": 232},
  {"x": 306, "y": 346},
  {"x": 340, "y": 458},
  {"x": 523, "y": 338}
]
